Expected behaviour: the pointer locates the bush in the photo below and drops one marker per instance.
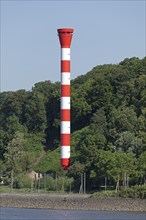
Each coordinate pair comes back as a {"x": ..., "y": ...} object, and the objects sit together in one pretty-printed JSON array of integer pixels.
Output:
[
  {"x": 108, "y": 193},
  {"x": 22, "y": 181},
  {"x": 138, "y": 191},
  {"x": 59, "y": 184}
]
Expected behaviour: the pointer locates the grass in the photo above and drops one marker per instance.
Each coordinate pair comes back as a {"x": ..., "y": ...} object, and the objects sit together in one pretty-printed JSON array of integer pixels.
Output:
[{"x": 6, "y": 189}]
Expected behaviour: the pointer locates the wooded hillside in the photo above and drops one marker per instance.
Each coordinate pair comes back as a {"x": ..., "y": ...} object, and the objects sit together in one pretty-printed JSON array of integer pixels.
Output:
[{"x": 108, "y": 123}]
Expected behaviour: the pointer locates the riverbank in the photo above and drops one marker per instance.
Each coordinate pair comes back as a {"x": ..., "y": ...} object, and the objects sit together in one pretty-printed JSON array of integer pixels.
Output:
[{"x": 71, "y": 202}]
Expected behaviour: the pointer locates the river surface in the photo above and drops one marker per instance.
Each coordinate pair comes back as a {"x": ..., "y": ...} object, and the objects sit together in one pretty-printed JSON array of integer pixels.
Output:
[{"x": 47, "y": 214}]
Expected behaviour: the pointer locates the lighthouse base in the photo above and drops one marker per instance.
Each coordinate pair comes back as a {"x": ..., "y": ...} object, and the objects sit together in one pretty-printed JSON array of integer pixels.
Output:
[{"x": 65, "y": 163}]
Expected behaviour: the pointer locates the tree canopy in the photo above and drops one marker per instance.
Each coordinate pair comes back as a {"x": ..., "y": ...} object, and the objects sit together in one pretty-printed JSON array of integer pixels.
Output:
[{"x": 108, "y": 123}]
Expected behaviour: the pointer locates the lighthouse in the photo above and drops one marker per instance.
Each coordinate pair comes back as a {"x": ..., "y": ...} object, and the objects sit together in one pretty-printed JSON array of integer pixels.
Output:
[{"x": 65, "y": 37}]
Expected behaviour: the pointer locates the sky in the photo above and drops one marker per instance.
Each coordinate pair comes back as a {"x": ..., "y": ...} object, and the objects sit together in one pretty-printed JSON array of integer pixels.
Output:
[{"x": 104, "y": 32}]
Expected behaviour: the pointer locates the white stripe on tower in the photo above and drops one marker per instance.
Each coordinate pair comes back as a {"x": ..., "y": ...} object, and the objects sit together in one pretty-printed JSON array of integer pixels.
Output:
[{"x": 65, "y": 36}]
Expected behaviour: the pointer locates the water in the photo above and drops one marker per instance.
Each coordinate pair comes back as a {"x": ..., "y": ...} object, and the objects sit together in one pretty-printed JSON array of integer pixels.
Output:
[{"x": 47, "y": 214}]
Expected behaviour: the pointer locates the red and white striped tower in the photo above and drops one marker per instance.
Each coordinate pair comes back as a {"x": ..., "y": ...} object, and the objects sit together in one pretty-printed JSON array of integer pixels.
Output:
[{"x": 65, "y": 37}]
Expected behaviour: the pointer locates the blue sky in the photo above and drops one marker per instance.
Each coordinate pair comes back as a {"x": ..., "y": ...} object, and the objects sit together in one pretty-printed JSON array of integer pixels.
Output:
[{"x": 104, "y": 32}]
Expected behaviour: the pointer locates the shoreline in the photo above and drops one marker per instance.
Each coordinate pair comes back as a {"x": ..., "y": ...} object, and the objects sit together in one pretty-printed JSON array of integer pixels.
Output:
[{"x": 71, "y": 202}]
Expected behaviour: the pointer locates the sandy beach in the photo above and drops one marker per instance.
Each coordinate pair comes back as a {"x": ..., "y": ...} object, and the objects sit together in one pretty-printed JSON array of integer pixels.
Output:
[{"x": 71, "y": 202}]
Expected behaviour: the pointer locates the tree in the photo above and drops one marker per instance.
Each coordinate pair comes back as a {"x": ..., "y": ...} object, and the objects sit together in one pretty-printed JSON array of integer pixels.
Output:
[
  {"x": 142, "y": 167},
  {"x": 75, "y": 171},
  {"x": 53, "y": 118},
  {"x": 2, "y": 167},
  {"x": 121, "y": 164},
  {"x": 127, "y": 142},
  {"x": 2, "y": 144},
  {"x": 80, "y": 107},
  {"x": 99, "y": 122},
  {"x": 35, "y": 114},
  {"x": 13, "y": 156},
  {"x": 125, "y": 119},
  {"x": 108, "y": 116}
]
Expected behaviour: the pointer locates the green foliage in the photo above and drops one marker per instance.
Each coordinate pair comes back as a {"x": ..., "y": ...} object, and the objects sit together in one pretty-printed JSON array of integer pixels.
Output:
[
  {"x": 127, "y": 142},
  {"x": 99, "y": 122},
  {"x": 49, "y": 162},
  {"x": 76, "y": 169},
  {"x": 138, "y": 191},
  {"x": 2, "y": 167},
  {"x": 22, "y": 181},
  {"x": 34, "y": 113},
  {"x": 14, "y": 152},
  {"x": 141, "y": 166},
  {"x": 107, "y": 193},
  {"x": 108, "y": 121},
  {"x": 34, "y": 142},
  {"x": 55, "y": 184},
  {"x": 121, "y": 163}
]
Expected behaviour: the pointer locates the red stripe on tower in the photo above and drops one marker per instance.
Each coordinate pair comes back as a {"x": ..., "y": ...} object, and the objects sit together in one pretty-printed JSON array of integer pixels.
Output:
[
  {"x": 65, "y": 114},
  {"x": 65, "y": 37},
  {"x": 65, "y": 139},
  {"x": 65, "y": 66},
  {"x": 65, "y": 90}
]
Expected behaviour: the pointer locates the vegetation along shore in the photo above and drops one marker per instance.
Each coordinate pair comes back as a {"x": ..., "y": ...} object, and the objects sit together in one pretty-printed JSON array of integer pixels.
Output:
[{"x": 108, "y": 140}]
